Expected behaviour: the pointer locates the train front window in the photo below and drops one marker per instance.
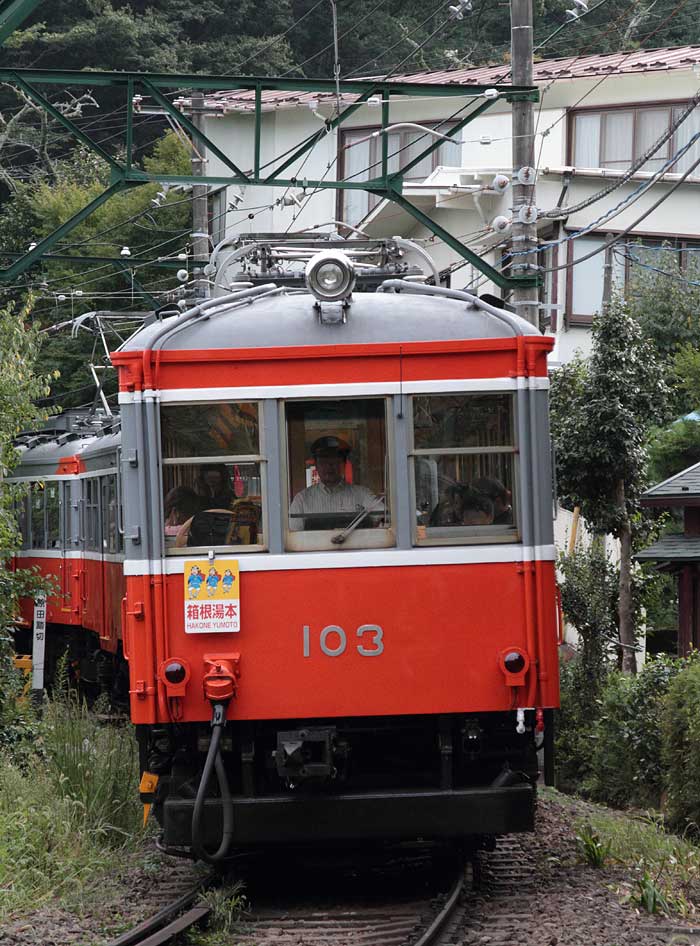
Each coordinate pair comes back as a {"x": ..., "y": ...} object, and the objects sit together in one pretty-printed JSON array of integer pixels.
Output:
[
  {"x": 338, "y": 474},
  {"x": 213, "y": 476},
  {"x": 463, "y": 461}
]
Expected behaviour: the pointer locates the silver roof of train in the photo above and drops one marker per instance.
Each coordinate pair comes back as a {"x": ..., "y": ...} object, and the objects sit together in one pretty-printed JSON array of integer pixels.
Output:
[{"x": 293, "y": 320}]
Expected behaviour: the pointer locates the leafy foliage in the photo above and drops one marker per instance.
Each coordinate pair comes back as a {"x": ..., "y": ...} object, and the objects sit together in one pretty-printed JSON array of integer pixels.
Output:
[
  {"x": 626, "y": 764},
  {"x": 20, "y": 388},
  {"x": 673, "y": 449},
  {"x": 681, "y": 748},
  {"x": 593, "y": 849},
  {"x": 45, "y": 202},
  {"x": 602, "y": 411}
]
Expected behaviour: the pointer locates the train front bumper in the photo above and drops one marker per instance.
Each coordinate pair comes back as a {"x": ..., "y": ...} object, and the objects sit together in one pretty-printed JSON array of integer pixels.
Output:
[{"x": 378, "y": 815}]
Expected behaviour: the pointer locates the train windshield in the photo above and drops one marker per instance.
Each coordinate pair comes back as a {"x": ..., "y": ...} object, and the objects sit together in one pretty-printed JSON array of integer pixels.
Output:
[
  {"x": 463, "y": 461},
  {"x": 338, "y": 474},
  {"x": 212, "y": 476}
]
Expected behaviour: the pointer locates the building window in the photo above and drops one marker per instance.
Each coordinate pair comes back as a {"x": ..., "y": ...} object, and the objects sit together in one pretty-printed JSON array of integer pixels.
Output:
[
  {"x": 463, "y": 461},
  {"x": 213, "y": 476},
  {"x": 362, "y": 160},
  {"x": 338, "y": 475},
  {"x": 586, "y": 279},
  {"x": 615, "y": 138},
  {"x": 216, "y": 214}
]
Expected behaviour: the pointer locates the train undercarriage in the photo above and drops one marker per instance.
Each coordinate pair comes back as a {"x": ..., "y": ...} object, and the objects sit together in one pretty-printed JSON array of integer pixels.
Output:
[{"x": 436, "y": 776}]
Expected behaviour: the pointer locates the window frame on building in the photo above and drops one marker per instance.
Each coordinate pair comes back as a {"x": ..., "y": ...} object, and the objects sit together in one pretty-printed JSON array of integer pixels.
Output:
[
  {"x": 374, "y": 160},
  {"x": 576, "y": 319},
  {"x": 637, "y": 109}
]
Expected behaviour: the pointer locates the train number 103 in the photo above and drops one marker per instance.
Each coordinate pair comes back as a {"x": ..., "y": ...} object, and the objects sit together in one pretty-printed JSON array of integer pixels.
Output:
[{"x": 333, "y": 641}]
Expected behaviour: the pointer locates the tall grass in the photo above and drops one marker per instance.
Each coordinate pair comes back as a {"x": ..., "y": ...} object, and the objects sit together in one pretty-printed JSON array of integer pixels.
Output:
[
  {"x": 93, "y": 766},
  {"x": 69, "y": 807}
]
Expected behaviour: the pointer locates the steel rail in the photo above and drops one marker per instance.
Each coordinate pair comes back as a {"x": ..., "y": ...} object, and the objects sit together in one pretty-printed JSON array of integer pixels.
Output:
[
  {"x": 167, "y": 921},
  {"x": 438, "y": 924}
]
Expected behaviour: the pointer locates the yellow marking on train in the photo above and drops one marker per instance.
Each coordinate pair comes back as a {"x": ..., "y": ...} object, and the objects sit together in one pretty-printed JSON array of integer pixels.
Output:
[{"x": 148, "y": 783}]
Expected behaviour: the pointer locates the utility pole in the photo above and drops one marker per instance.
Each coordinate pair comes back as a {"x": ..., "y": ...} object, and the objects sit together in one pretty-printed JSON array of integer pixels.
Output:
[
  {"x": 524, "y": 227},
  {"x": 200, "y": 204}
]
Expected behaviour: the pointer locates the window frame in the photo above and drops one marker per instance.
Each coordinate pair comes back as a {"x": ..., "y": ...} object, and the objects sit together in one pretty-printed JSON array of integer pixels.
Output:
[
  {"x": 585, "y": 320},
  {"x": 261, "y": 458},
  {"x": 478, "y": 535},
  {"x": 671, "y": 146},
  {"x": 36, "y": 487},
  {"x": 319, "y": 540},
  {"x": 92, "y": 529},
  {"x": 375, "y": 157}
]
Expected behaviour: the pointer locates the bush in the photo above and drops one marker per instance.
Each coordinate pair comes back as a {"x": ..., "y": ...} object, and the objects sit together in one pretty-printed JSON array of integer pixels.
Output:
[
  {"x": 627, "y": 760},
  {"x": 574, "y": 727},
  {"x": 681, "y": 750}
]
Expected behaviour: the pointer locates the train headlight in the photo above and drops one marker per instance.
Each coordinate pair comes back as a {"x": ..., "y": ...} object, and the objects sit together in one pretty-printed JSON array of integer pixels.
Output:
[
  {"x": 515, "y": 664},
  {"x": 330, "y": 276},
  {"x": 175, "y": 672}
]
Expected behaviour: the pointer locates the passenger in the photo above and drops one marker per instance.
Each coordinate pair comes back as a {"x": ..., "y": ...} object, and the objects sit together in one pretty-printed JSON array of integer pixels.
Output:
[
  {"x": 477, "y": 509},
  {"x": 463, "y": 506},
  {"x": 332, "y": 503},
  {"x": 448, "y": 511},
  {"x": 213, "y": 487},
  {"x": 499, "y": 496},
  {"x": 181, "y": 503}
]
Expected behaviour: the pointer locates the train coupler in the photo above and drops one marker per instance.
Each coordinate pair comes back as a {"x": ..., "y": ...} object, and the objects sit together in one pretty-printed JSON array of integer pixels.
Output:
[{"x": 221, "y": 677}]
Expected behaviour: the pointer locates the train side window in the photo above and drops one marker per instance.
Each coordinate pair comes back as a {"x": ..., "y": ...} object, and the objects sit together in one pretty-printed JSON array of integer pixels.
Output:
[
  {"x": 110, "y": 533},
  {"x": 53, "y": 515},
  {"x": 22, "y": 499},
  {"x": 213, "y": 476},
  {"x": 38, "y": 516},
  {"x": 463, "y": 461},
  {"x": 338, "y": 475},
  {"x": 92, "y": 515}
]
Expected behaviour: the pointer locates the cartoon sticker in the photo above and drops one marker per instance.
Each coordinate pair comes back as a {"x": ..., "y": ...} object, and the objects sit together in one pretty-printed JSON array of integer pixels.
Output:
[{"x": 212, "y": 596}]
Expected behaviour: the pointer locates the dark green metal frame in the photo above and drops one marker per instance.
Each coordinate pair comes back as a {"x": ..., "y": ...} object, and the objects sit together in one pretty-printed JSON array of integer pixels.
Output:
[{"x": 125, "y": 175}]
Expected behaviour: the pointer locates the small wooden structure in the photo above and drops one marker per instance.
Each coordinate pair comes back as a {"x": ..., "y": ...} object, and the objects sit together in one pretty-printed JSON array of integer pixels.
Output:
[{"x": 680, "y": 553}]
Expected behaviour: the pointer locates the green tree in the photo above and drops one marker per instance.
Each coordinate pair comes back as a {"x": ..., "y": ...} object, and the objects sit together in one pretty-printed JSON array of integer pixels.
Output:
[
  {"x": 602, "y": 412},
  {"x": 20, "y": 388},
  {"x": 42, "y": 204}
]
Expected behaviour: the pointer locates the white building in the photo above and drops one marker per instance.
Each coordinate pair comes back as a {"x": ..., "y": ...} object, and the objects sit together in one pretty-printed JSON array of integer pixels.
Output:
[{"x": 598, "y": 114}]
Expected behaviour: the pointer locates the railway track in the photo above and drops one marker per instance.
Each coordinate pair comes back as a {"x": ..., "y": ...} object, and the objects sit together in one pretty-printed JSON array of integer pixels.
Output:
[
  {"x": 182, "y": 910},
  {"x": 407, "y": 901},
  {"x": 392, "y": 922}
]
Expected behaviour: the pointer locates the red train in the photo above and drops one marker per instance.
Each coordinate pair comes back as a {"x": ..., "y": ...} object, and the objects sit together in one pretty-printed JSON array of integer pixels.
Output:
[{"x": 332, "y": 512}]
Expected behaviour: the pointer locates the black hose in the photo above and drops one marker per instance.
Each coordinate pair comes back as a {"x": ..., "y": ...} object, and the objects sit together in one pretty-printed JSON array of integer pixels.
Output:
[{"x": 213, "y": 761}]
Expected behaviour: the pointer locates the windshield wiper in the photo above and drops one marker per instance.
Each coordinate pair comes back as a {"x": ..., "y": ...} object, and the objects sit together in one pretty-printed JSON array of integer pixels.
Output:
[{"x": 354, "y": 523}]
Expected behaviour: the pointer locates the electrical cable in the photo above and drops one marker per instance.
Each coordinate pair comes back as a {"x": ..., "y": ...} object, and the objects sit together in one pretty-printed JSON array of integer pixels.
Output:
[
  {"x": 299, "y": 66},
  {"x": 628, "y": 229},
  {"x": 634, "y": 167},
  {"x": 403, "y": 39},
  {"x": 613, "y": 212}
]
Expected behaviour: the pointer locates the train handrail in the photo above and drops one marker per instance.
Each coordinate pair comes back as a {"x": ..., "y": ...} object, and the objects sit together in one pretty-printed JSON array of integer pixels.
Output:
[{"x": 401, "y": 285}]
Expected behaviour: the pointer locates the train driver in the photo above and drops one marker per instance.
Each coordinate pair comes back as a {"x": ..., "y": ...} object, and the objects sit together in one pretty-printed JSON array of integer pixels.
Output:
[{"x": 332, "y": 502}]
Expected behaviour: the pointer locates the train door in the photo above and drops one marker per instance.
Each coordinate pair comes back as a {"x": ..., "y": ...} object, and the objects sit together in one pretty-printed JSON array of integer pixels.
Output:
[
  {"x": 93, "y": 597},
  {"x": 111, "y": 565},
  {"x": 54, "y": 543}
]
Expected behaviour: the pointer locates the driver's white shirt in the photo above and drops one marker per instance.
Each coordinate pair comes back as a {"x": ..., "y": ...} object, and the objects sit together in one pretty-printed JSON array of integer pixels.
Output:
[{"x": 343, "y": 498}]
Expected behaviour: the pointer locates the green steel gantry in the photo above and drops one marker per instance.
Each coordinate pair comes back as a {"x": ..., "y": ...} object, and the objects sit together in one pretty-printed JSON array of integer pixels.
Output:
[{"x": 125, "y": 175}]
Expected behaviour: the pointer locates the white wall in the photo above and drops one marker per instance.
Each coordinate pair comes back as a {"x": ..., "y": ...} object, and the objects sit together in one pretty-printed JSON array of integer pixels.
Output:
[{"x": 284, "y": 128}]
